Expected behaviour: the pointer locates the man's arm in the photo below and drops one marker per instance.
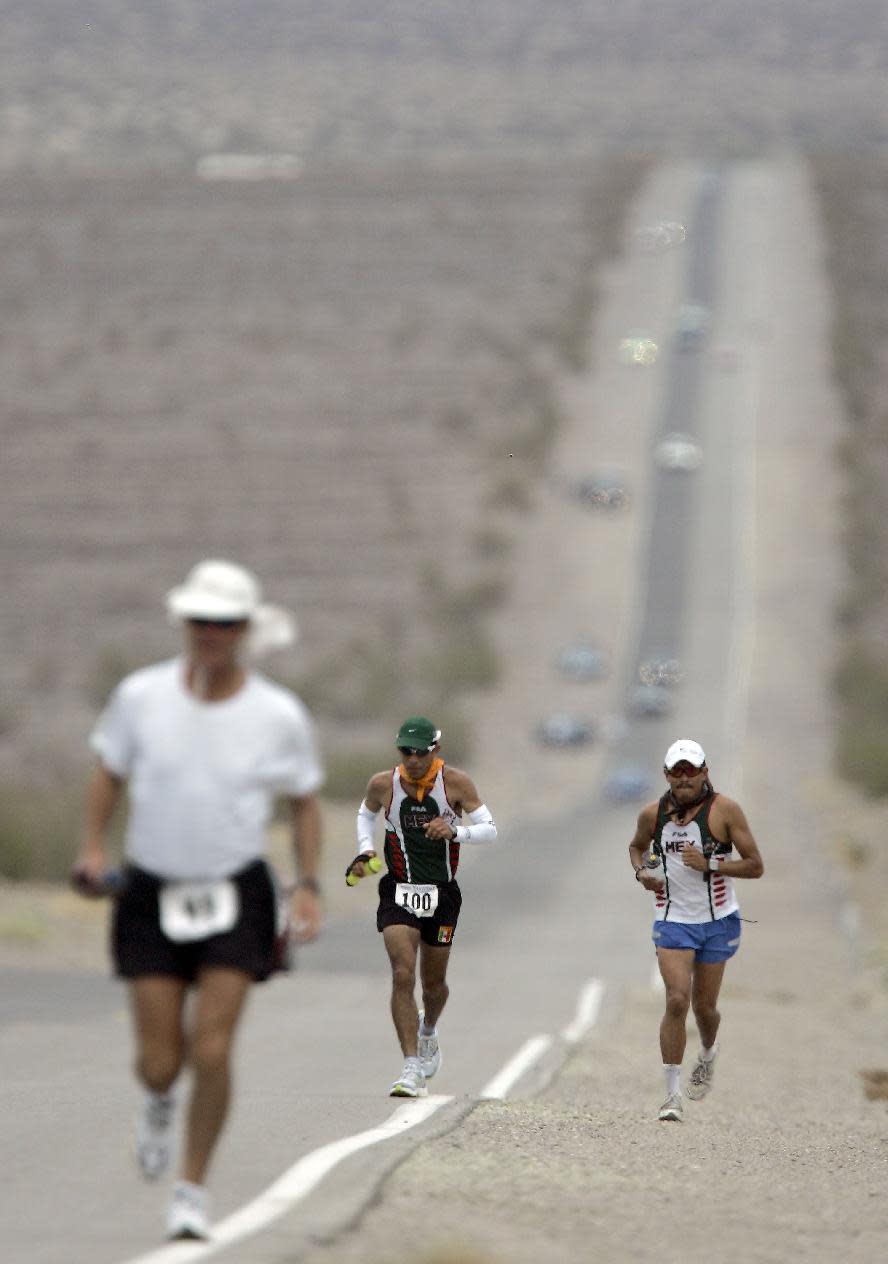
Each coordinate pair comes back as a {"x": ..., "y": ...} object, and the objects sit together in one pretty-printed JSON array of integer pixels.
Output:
[
  {"x": 306, "y": 826},
  {"x": 461, "y": 792},
  {"x": 750, "y": 864},
  {"x": 102, "y": 796},
  {"x": 736, "y": 828},
  {"x": 638, "y": 847},
  {"x": 374, "y": 800}
]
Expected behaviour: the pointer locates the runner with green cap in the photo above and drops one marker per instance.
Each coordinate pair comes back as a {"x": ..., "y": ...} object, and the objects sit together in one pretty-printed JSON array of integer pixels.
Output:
[{"x": 424, "y": 801}]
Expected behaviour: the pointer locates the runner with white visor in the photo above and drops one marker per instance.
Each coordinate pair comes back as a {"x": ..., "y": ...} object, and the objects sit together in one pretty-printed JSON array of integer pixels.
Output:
[{"x": 688, "y": 850}]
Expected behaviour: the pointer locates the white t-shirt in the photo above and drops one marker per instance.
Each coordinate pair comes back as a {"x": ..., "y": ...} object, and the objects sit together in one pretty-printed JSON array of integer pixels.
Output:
[{"x": 203, "y": 776}]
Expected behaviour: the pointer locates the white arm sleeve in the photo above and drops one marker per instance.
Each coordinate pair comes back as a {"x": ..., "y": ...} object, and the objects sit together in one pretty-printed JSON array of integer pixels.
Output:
[
  {"x": 365, "y": 824},
  {"x": 482, "y": 828}
]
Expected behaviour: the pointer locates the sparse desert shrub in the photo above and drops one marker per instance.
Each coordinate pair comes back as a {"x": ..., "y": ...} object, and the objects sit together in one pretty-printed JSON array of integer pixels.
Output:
[
  {"x": 111, "y": 665},
  {"x": 38, "y": 831},
  {"x": 862, "y": 754},
  {"x": 511, "y": 493},
  {"x": 492, "y": 543},
  {"x": 467, "y": 659},
  {"x": 357, "y": 682}
]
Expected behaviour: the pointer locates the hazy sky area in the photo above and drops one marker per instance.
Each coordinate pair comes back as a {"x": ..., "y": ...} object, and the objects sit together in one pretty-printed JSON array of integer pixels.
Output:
[{"x": 164, "y": 81}]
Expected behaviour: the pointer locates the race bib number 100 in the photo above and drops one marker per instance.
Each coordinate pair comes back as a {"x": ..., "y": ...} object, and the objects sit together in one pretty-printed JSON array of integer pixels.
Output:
[
  {"x": 191, "y": 911},
  {"x": 418, "y": 898}
]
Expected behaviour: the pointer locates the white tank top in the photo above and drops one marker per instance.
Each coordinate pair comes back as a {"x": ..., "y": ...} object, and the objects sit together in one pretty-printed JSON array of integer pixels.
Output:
[{"x": 686, "y": 895}]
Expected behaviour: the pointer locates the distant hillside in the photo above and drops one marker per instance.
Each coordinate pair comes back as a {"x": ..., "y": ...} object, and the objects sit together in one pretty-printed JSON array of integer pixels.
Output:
[
  {"x": 345, "y": 382},
  {"x": 162, "y": 81}
]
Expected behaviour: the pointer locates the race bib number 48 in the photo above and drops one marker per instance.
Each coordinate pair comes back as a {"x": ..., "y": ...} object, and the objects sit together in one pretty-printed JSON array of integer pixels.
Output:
[
  {"x": 418, "y": 898},
  {"x": 191, "y": 911}
]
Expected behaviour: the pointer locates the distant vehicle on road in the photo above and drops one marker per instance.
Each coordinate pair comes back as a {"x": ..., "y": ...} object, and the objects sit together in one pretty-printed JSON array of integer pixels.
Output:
[
  {"x": 691, "y": 326},
  {"x": 678, "y": 453},
  {"x": 583, "y": 662},
  {"x": 649, "y": 701},
  {"x": 604, "y": 490},
  {"x": 627, "y": 784},
  {"x": 562, "y": 729},
  {"x": 660, "y": 669},
  {"x": 655, "y": 238},
  {"x": 638, "y": 348}
]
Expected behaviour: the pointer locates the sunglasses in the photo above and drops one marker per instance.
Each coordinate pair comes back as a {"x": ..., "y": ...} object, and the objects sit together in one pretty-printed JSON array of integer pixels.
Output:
[
  {"x": 683, "y": 770},
  {"x": 217, "y": 623},
  {"x": 413, "y": 750}
]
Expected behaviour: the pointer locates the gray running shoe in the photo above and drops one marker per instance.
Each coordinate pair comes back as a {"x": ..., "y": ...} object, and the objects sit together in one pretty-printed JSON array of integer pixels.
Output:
[
  {"x": 701, "y": 1077},
  {"x": 411, "y": 1082},
  {"x": 671, "y": 1111},
  {"x": 188, "y": 1217},
  {"x": 154, "y": 1134},
  {"x": 428, "y": 1050}
]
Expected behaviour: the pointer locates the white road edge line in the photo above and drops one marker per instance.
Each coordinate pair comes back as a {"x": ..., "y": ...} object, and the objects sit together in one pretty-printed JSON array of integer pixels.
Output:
[
  {"x": 293, "y": 1185},
  {"x": 300, "y": 1179},
  {"x": 512, "y": 1072},
  {"x": 587, "y": 1011}
]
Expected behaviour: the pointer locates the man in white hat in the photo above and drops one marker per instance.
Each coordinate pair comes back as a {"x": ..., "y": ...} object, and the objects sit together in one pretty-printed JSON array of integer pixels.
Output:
[
  {"x": 683, "y": 852},
  {"x": 205, "y": 745}
]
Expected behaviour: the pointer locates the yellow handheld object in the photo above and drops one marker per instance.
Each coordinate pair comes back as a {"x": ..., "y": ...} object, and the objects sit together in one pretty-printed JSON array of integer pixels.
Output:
[{"x": 373, "y": 863}]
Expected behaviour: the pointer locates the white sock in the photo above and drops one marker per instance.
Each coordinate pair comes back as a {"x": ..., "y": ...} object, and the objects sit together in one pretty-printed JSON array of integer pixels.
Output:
[
  {"x": 708, "y": 1054},
  {"x": 427, "y": 1031},
  {"x": 673, "y": 1077},
  {"x": 414, "y": 1062}
]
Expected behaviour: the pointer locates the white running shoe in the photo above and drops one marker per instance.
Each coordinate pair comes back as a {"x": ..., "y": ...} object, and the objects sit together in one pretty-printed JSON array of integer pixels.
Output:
[
  {"x": 188, "y": 1217},
  {"x": 671, "y": 1111},
  {"x": 154, "y": 1134},
  {"x": 702, "y": 1075},
  {"x": 411, "y": 1082},
  {"x": 429, "y": 1051}
]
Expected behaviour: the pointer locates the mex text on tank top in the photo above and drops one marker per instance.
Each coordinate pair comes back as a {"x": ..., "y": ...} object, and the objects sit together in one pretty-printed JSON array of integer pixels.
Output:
[
  {"x": 409, "y": 854},
  {"x": 686, "y": 895}
]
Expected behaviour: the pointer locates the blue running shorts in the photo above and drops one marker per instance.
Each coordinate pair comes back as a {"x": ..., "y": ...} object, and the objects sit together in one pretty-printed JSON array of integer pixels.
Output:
[{"x": 710, "y": 941}]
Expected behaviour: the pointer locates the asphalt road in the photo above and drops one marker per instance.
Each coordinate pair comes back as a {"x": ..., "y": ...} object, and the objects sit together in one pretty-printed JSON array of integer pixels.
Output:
[{"x": 317, "y": 1050}]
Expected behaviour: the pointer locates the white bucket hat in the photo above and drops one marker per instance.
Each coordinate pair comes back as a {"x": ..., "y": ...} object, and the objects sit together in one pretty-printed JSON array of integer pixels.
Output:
[
  {"x": 216, "y": 589},
  {"x": 685, "y": 749}
]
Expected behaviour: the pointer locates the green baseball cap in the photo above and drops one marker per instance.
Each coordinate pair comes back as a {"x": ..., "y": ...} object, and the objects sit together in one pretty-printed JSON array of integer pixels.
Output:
[{"x": 419, "y": 733}]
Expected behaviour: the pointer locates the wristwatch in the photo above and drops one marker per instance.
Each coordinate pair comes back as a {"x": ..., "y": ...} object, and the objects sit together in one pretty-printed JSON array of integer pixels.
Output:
[{"x": 714, "y": 864}]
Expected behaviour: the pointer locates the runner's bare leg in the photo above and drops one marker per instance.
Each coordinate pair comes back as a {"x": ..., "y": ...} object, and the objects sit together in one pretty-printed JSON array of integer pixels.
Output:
[
  {"x": 157, "y": 1005},
  {"x": 676, "y": 967},
  {"x": 220, "y": 998},
  {"x": 402, "y": 945},
  {"x": 432, "y": 971},
  {"x": 708, "y": 977}
]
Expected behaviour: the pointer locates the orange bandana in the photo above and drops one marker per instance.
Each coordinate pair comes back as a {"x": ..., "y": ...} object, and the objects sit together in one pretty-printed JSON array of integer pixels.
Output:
[{"x": 425, "y": 785}]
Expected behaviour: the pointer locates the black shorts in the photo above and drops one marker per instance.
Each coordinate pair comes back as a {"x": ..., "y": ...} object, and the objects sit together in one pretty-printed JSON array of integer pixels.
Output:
[
  {"x": 140, "y": 947},
  {"x": 437, "y": 930}
]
